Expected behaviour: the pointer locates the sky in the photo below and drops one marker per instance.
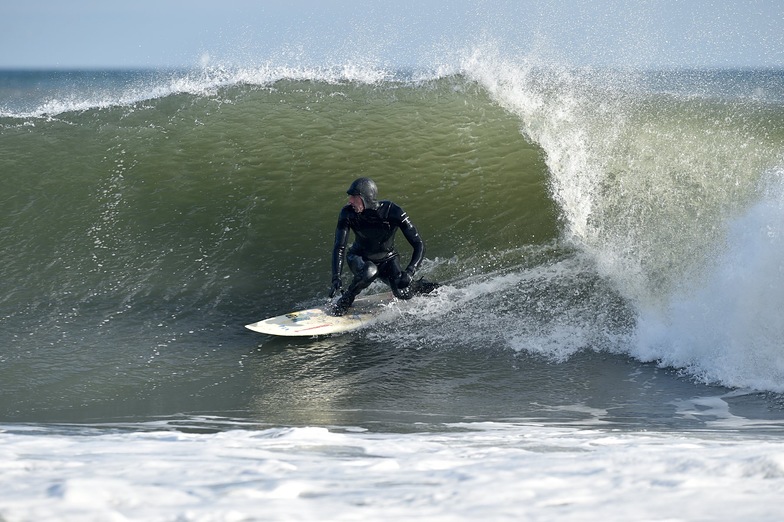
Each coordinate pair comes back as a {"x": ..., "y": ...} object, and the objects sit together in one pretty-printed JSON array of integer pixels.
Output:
[{"x": 91, "y": 34}]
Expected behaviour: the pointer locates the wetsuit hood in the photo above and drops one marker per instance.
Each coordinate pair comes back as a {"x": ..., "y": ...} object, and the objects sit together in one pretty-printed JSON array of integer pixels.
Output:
[{"x": 367, "y": 190}]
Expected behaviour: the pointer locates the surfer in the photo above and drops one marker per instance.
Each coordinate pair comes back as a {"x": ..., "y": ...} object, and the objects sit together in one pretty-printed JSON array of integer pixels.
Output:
[{"x": 373, "y": 255}]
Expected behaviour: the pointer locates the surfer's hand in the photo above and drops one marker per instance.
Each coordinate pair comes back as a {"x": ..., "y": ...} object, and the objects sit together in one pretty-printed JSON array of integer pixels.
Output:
[
  {"x": 336, "y": 284},
  {"x": 404, "y": 280}
]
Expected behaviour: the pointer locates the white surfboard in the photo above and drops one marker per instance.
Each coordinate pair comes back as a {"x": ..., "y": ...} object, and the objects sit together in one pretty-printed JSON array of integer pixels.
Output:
[{"x": 316, "y": 321}]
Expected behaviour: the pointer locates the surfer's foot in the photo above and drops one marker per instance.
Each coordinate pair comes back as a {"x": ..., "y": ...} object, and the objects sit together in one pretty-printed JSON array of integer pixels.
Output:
[
  {"x": 423, "y": 286},
  {"x": 342, "y": 305}
]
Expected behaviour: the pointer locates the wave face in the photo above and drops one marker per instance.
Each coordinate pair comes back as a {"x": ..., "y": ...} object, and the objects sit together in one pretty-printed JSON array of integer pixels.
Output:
[{"x": 148, "y": 216}]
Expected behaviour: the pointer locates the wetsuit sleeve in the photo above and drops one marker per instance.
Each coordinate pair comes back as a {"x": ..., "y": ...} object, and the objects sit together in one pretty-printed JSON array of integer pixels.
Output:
[
  {"x": 341, "y": 240},
  {"x": 412, "y": 236}
]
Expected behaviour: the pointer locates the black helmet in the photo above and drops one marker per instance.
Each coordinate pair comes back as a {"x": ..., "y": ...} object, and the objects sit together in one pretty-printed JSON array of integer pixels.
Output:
[{"x": 367, "y": 190}]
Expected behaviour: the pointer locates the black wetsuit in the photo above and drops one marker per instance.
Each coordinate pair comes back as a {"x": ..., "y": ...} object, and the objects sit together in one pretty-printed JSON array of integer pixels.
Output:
[{"x": 373, "y": 254}]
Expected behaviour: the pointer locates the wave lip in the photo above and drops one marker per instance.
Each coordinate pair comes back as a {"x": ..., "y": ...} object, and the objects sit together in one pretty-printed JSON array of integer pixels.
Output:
[{"x": 41, "y": 94}]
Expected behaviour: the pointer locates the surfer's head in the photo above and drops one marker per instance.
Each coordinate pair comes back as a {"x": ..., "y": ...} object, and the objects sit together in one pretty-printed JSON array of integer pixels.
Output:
[{"x": 367, "y": 191}]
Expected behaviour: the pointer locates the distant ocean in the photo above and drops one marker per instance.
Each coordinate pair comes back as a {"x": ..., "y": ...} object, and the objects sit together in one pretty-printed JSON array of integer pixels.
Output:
[{"x": 607, "y": 344}]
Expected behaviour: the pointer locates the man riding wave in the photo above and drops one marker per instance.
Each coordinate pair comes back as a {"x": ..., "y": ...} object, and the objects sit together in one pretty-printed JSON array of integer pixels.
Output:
[{"x": 373, "y": 255}]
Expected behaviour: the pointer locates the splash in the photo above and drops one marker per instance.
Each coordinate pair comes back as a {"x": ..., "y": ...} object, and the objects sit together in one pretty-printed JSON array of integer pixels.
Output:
[
  {"x": 660, "y": 189},
  {"x": 728, "y": 328}
]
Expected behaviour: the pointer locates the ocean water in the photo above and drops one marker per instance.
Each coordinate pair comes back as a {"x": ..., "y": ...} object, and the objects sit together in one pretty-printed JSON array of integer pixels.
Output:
[{"x": 607, "y": 343}]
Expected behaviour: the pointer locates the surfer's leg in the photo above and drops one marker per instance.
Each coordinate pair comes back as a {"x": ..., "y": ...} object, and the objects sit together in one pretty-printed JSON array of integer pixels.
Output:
[
  {"x": 365, "y": 272},
  {"x": 390, "y": 273}
]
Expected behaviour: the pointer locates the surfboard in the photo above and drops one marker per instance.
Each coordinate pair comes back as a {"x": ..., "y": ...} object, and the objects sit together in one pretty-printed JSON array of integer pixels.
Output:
[{"x": 316, "y": 321}]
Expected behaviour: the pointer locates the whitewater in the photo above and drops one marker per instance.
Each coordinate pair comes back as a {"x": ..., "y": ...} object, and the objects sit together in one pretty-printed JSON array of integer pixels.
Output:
[{"x": 506, "y": 471}]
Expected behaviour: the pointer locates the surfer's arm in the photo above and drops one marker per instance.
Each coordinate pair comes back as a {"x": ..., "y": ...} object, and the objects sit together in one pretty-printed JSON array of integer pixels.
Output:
[
  {"x": 412, "y": 236},
  {"x": 339, "y": 250}
]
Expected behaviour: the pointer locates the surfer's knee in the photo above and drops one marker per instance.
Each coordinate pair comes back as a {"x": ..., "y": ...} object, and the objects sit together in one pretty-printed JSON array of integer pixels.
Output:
[
  {"x": 365, "y": 274},
  {"x": 370, "y": 271}
]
